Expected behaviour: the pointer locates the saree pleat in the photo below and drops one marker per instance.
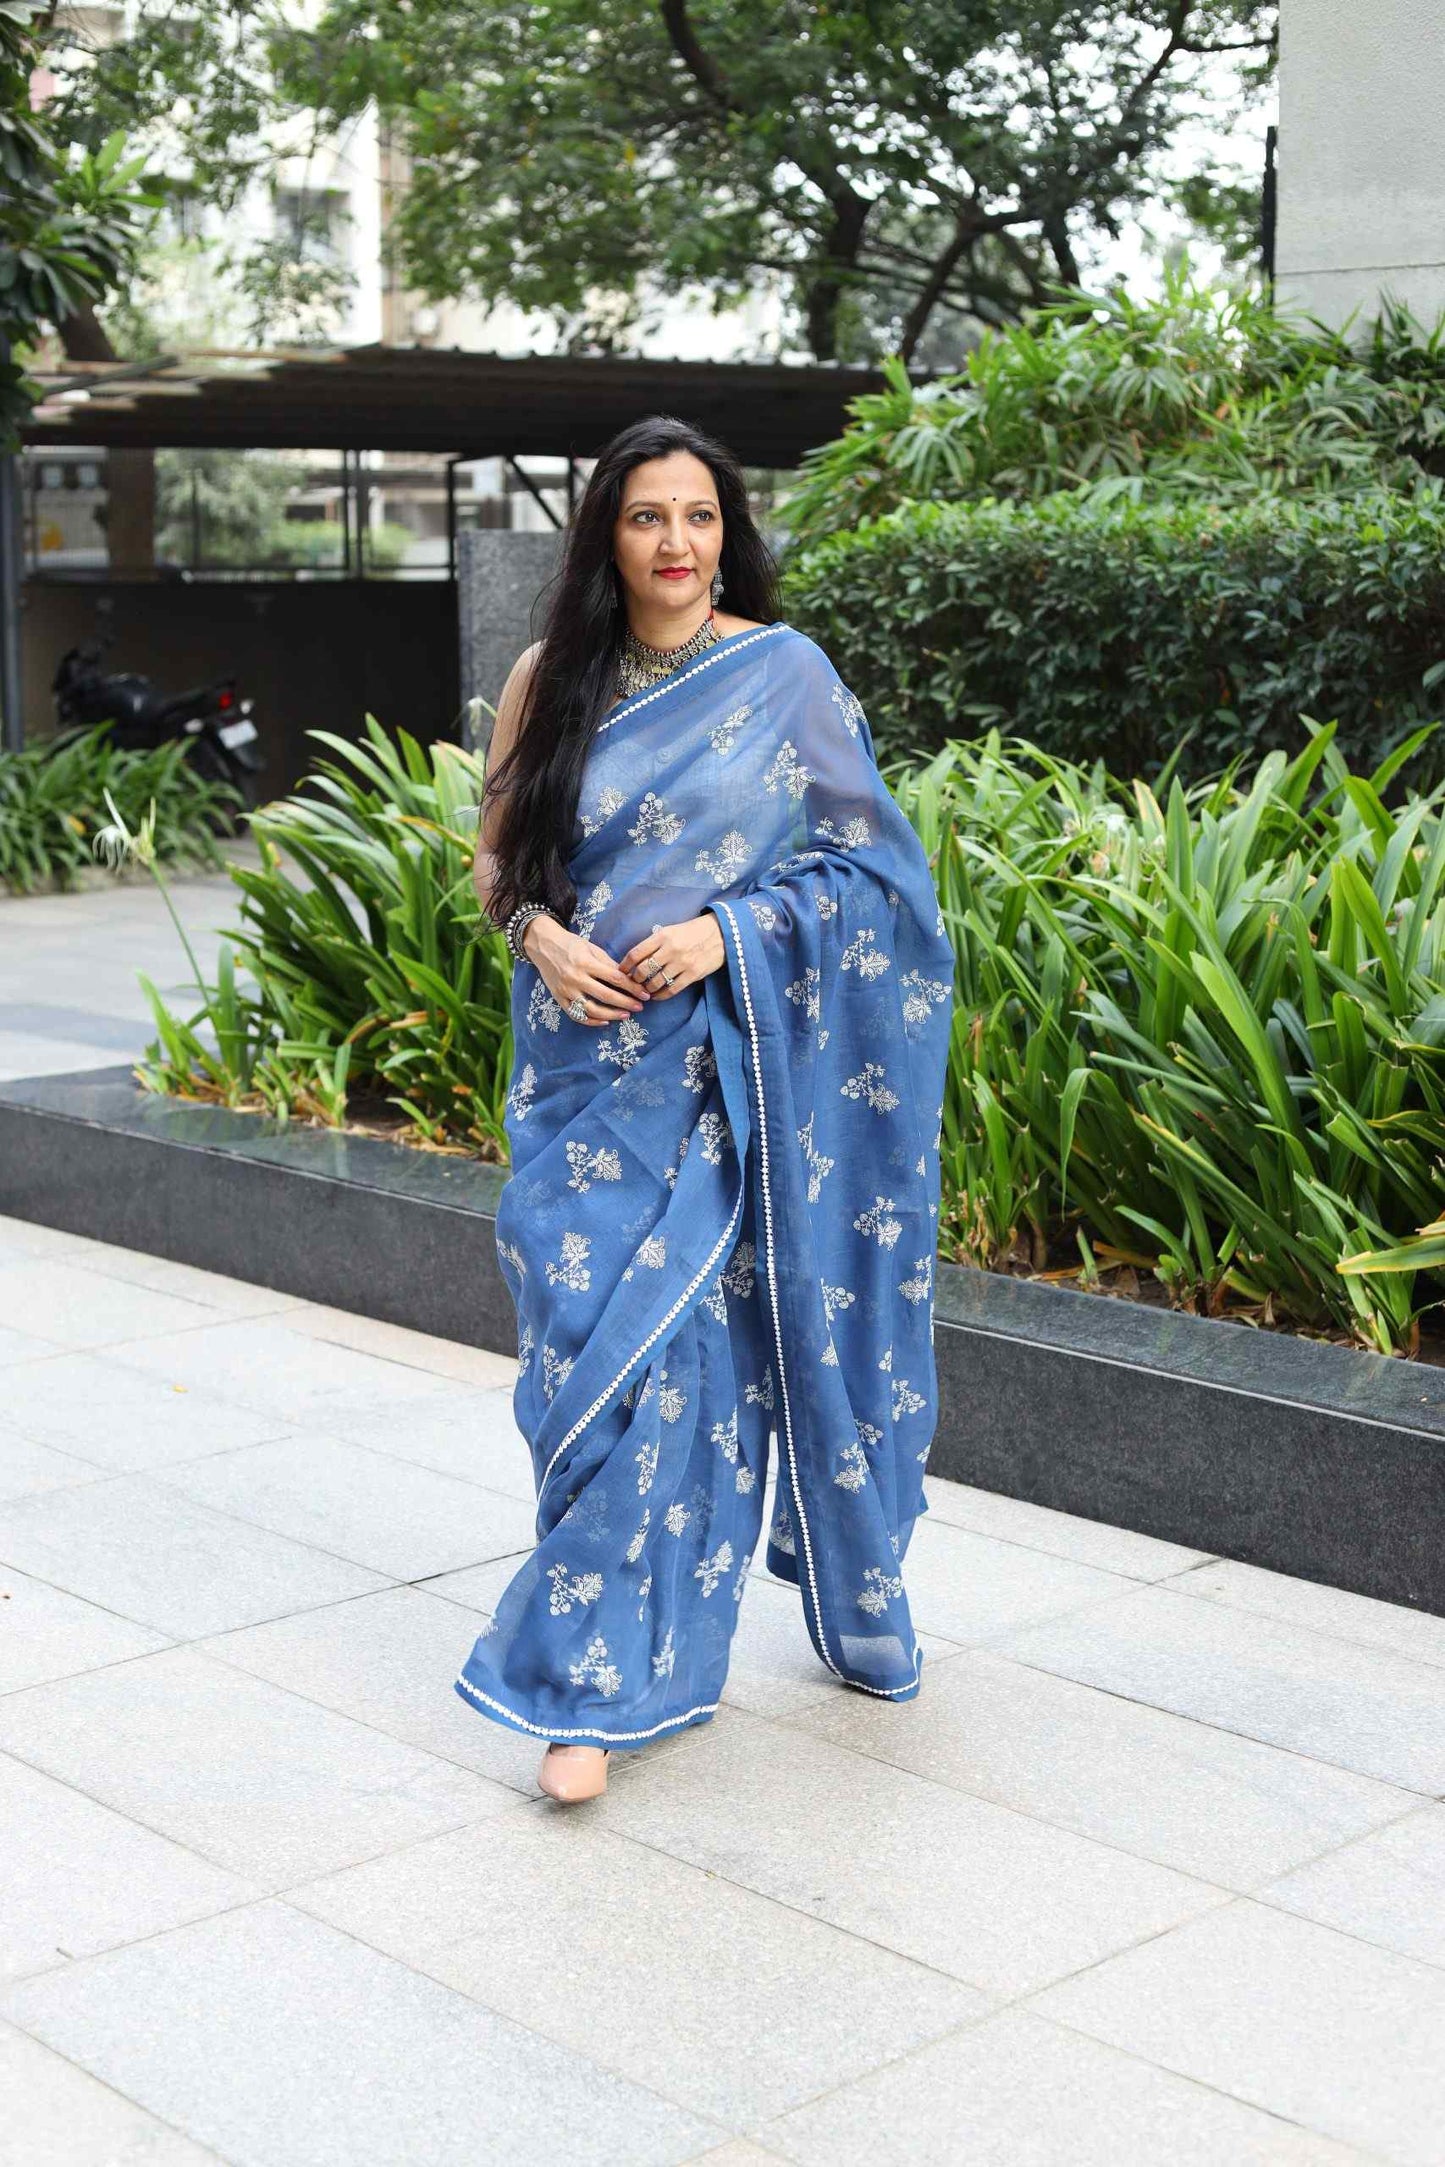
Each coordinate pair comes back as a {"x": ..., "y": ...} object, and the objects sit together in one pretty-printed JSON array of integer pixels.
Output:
[{"x": 721, "y": 1220}]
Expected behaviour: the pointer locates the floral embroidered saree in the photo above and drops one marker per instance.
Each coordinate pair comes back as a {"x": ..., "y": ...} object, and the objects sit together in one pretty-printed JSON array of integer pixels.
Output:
[{"x": 721, "y": 1219}]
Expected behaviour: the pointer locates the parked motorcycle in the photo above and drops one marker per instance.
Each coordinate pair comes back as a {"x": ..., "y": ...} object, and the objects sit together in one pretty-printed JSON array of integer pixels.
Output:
[{"x": 219, "y": 727}]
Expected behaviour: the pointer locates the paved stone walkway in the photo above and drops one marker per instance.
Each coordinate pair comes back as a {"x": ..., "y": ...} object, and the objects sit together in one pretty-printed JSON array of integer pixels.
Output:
[
  {"x": 1152, "y": 1872},
  {"x": 69, "y": 996}
]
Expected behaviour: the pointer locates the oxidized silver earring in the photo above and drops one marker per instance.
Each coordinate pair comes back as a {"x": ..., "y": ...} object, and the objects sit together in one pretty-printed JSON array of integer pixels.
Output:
[{"x": 717, "y": 587}]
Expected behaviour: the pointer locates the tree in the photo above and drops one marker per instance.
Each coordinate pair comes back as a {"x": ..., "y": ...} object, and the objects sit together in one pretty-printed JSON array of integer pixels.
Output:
[
  {"x": 69, "y": 229},
  {"x": 905, "y": 170}
]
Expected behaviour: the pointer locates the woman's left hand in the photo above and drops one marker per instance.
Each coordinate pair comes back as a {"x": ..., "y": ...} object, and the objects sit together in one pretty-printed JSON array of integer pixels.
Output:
[{"x": 684, "y": 953}]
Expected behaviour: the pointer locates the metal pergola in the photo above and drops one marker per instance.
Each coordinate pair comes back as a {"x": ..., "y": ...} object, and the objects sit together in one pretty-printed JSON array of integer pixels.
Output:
[{"x": 462, "y": 405}]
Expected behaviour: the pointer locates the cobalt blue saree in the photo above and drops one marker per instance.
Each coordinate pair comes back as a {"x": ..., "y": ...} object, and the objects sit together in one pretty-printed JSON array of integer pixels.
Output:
[{"x": 721, "y": 1220}]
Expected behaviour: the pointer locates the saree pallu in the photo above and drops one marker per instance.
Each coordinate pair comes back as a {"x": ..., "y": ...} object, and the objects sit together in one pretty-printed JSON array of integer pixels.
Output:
[{"x": 721, "y": 1219}]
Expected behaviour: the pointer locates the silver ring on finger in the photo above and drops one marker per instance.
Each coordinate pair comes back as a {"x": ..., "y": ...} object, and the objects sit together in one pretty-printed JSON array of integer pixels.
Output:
[
  {"x": 650, "y": 968},
  {"x": 667, "y": 978},
  {"x": 577, "y": 1009}
]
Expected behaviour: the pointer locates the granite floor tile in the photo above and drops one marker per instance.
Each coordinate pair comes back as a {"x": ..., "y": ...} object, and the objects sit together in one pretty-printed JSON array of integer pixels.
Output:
[
  {"x": 80, "y": 1878},
  {"x": 255, "y": 1779},
  {"x": 1062, "y": 1534},
  {"x": 1417, "y": 1634},
  {"x": 1356, "y": 1707},
  {"x": 59, "y": 2116},
  {"x": 19, "y": 1348},
  {"x": 28, "y": 1238},
  {"x": 1387, "y": 1888},
  {"x": 279, "y": 2042},
  {"x": 478, "y": 1586},
  {"x": 233, "y": 1297},
  {"x": 734, "y": 2006},
  {"x": 471, "y": 1435},
  {"x": 967, "y": 1587},
  {"x": 476, "y": 1366},
  {"x": 132, "y": 1544},
  {"x": 1206, "y": 1801},
  {"x": 60, "y": 1302},
  {"x": 50, "y": 1634},
  {"x": 259, "y": 1363},
  {"x": 1019, "y": 2092},
  {"x": 389, "y": 1660},
  {"x": 1294, "y": 2018},
  {"x": 27, "y": 1468},
  {"x": 119, "y": 1419},
  {"x": 381, "y": 1512},
  {"x": 984, "y": 1894}
]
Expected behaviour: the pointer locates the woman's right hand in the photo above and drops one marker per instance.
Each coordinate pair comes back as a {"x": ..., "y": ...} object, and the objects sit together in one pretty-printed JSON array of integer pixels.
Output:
[{"x": 569, "y": 965}]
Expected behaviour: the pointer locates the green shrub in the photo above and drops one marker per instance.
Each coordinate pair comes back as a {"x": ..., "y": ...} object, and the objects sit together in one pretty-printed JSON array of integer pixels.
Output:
[
  {"x": 1200, "y": 1031},
  {"x": 52, "y": 804},
  {"x": 1200, "y": 393},
  {"x": 1109, "y": 631},
  {"x": 369, "y": 975},
  {"x": 1205, "y": 1036}
]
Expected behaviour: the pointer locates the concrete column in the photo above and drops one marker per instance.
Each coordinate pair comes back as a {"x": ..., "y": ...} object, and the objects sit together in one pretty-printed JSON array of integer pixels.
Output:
[
  {"x": 501, "y": 572},
  {"x": 1361, "y": 157}
]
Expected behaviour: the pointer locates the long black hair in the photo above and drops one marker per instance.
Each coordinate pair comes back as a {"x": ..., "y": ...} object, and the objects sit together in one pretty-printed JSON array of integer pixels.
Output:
[{"x": 573, "y": 676}]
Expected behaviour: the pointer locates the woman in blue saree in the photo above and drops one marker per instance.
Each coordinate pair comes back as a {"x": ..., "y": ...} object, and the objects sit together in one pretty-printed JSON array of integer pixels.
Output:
[{"x": 731, "y": 1010}]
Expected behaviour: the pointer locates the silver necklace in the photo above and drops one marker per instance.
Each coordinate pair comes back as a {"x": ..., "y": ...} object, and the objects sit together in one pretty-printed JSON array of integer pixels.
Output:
[{"x": 639, "y": 665}]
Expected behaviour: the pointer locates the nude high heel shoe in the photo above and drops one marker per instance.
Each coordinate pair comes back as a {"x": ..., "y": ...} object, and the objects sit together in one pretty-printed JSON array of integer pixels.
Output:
[{"x": 570, "y": 1773}]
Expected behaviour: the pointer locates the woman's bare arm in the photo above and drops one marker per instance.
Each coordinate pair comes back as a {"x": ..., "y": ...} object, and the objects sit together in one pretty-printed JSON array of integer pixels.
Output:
[{"x": 504, "y": 737}]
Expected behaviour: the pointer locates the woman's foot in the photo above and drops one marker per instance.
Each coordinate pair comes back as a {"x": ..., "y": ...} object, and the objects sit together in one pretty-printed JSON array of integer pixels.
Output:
[{"x": 570, "y": 1773}]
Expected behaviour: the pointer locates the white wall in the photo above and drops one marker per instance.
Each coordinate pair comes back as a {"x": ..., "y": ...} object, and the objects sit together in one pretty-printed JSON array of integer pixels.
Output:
[{"x": 1362, "y": 156}]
